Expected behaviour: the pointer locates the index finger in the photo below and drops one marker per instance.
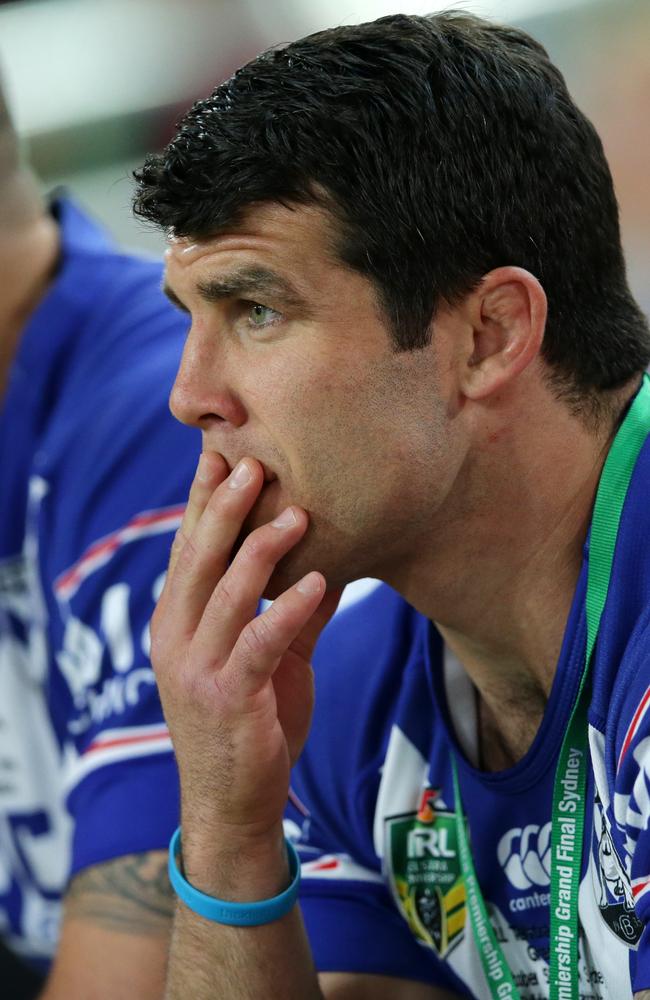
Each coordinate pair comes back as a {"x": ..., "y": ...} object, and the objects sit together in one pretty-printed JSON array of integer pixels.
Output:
[{"x": 210, "y": 473}]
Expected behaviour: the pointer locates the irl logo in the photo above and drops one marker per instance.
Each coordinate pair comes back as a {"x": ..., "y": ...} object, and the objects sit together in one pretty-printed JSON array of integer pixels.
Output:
[
  {"x": 524, "y": 853},
  {"x": 432, "y": 843}
]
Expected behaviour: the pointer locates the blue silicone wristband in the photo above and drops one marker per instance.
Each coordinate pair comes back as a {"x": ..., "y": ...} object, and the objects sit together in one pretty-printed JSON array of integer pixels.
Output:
[{"x": 234, "y": 914}]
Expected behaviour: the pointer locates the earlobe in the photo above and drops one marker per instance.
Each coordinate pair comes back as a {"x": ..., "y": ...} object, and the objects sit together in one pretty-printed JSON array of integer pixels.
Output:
[{"x": 508, "y": 316}]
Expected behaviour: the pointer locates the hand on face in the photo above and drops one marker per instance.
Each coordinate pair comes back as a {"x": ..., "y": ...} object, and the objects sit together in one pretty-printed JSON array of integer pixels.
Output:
[{"x": 236, "y": 689}]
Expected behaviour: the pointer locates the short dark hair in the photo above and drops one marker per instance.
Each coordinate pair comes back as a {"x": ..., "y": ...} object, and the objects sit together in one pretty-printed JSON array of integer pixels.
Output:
[{"x": 443, "y": 147}]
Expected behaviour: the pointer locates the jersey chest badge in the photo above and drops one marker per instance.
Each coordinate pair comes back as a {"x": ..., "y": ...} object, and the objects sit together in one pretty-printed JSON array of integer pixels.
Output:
[{"x": 424, "y": 873}]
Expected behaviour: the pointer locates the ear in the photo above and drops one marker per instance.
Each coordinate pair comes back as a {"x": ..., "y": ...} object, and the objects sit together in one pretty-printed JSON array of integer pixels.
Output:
[{"x": 507, "y": 314}]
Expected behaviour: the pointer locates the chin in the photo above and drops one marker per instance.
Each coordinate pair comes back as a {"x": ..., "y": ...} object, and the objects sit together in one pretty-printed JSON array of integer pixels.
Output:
[
  {"x": 268, "y": 505},
  {"x": 302, "y": 560},
  {"x": 289, "y": 570},
  {"x": 313, "y": 552},
  {"x": 274, "y": 588}
]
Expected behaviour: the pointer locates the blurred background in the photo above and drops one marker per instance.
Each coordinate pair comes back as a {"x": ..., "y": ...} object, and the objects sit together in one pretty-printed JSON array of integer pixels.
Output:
[{"x": 95, "y": 84}]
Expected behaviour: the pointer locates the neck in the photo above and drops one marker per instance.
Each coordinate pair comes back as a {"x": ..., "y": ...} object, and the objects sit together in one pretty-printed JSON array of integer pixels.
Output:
[
  {"x": 500, "y": 577},
  {"x": 29, "y": 251}
]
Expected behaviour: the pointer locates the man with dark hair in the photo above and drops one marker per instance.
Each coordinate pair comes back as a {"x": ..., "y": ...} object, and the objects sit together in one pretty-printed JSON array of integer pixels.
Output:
[
  {"x": 94, "y": 475},
  {"x": 414, "y": 357}
]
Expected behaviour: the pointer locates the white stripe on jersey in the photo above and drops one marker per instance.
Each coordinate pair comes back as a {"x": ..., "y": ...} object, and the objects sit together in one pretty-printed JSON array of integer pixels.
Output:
[{"x": 114, "y": 745}]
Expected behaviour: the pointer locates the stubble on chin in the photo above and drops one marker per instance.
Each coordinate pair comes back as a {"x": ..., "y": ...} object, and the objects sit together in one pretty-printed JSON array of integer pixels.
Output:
[
  {"x": 290, "y": 569},
  {"x": 316, "y": 550}
]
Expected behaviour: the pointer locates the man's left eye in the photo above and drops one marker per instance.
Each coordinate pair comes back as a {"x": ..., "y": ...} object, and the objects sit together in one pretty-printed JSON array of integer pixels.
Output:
[{"x": 261, "y": 316}]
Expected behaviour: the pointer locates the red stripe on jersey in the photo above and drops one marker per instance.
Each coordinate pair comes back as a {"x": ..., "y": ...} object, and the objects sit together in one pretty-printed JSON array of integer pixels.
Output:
[
  {"x": 634, "y": 725},
  {"x": 105, "y": 547},
  {"x": 126, "y": 741},
  {"x": 293, "y": 798}
]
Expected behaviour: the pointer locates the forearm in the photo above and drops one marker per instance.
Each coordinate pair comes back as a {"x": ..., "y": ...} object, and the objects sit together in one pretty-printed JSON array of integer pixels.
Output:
[
  {"x": 209, "y": 961},
  {"x": 117, "y": 920}
]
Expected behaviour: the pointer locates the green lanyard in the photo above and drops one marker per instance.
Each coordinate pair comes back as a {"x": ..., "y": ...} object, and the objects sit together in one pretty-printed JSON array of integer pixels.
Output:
[{"x": 569, "y": 789}]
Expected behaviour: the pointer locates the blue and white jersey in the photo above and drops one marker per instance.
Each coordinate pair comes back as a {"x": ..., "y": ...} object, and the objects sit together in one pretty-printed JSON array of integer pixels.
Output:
[
  {"x": 372, "y": 801},
  {"x": 94, "y": 474}
]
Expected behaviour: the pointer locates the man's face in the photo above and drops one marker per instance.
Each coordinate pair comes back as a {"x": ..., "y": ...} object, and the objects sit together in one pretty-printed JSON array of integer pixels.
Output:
[{"x": 289, "y": 361}]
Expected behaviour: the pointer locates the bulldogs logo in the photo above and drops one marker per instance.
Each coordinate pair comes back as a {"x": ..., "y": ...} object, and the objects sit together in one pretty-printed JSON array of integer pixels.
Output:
[{"x": 614, "y": 892}]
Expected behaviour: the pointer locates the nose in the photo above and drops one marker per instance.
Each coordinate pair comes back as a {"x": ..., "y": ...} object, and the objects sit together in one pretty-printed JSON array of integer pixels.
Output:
[{"x": 201, "y": 395}]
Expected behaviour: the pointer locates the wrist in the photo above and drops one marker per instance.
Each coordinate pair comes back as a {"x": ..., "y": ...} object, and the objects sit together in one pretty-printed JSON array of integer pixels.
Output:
[
  {"x": 231, "y": 912},
  {"x": 234, "y": 865}
]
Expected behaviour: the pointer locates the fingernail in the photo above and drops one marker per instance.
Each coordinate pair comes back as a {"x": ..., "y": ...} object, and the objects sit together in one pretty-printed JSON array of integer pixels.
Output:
[
  {"x": 285, "y": 520},
  {"x": 203, "y": 469},
  {"x": 239, "y": 476},
  {"x": 309, "y": 584}
]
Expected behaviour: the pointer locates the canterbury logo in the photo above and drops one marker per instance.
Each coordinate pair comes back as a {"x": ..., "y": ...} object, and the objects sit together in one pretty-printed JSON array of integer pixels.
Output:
[{"x": 525, "y": 855}]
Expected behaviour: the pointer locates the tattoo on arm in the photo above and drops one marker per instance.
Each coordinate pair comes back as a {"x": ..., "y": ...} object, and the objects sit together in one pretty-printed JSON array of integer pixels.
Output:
[{"x": 131, "y": 894}]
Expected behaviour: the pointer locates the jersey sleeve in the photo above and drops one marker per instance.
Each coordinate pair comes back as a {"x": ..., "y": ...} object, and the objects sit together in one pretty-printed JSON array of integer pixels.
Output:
[
  {"x": 351, "y": 919},
  {"x": 106, "y": 498},
  {"x": 120, "y": 777}
]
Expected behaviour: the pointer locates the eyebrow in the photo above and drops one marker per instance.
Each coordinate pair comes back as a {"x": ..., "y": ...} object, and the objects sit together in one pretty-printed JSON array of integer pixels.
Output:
[
  {"x": 173, "y": 297},
  {"x": 245, "y": 281}
]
